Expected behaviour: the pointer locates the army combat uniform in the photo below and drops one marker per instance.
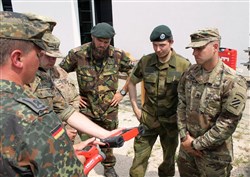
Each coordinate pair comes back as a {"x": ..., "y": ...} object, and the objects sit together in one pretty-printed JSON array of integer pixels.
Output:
[
  {"x": 66, "y": 86},
  {"x": 98, "y": 83},
  {"x": 211, "y": 106},
  {"x": 158, "y": 111},
  {"x": 33, "y": 141},
  {"x": 44, "y": 88}
]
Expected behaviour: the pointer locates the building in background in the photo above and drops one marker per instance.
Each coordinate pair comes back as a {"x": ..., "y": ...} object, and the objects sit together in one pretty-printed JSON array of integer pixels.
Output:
[{"x": 134, "y": 20}]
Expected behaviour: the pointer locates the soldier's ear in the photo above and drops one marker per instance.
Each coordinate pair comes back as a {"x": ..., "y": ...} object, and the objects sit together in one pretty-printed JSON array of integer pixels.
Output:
[
  {"x": 171, "y": 41},
  {"x": 16, "y": 59},
  {"x": 216, "y": 46}
]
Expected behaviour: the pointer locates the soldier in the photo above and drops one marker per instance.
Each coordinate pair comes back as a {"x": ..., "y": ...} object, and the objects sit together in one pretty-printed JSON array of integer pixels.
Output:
[
  {"x": 61, "y": 83},
  {"x": 69, "y": 91},
  {"x": 45, "y": 90},
  {"x": 97, "y": 65},
  {"x": 160, "y": 72},
  {"x": 211, "y": 101},
  {"x": 33, "y": 142}
]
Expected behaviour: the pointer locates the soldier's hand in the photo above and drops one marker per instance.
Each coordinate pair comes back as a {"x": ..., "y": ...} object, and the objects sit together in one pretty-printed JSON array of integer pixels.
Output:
[
  {"x": 116, "y": 99},
  {"x": 83, "y": 103},
  {"x": 187, "y": 146},
  {"x": 80, "y": 146},
  {"x": 71, "y": 133},
  {"x": 88, "y": 142}
]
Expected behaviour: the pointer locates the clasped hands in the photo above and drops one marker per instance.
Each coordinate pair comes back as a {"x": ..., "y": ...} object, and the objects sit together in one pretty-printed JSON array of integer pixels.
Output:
[{"x": 187, "y": 146}]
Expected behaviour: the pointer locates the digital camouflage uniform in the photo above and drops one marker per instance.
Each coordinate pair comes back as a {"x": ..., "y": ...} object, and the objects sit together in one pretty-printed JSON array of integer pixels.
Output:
[
  {"x": 98, "y": 84},
  {"x": 44, "y": 88},
  {"x": 67, "y": 87},
  {"x": 33, "y": 141},
  {"x": 209, "y": 108},
  {"x": 158, "y": 111}
]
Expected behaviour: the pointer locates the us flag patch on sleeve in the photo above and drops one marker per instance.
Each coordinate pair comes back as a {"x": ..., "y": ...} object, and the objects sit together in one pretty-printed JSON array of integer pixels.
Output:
[{"x": 57, "y": 131}]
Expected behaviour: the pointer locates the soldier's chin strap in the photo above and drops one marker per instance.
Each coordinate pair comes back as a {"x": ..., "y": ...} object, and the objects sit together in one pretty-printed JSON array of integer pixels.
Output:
[{"x": 94, "y": 155}]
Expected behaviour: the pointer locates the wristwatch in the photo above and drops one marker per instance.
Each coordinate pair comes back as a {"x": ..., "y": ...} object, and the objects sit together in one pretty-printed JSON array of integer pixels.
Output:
[{"x": 123, "y": 92}]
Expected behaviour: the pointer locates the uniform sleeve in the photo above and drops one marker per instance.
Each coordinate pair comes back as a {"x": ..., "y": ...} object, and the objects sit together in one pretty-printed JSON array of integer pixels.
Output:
[
  {"x": 233, "y": 104},
  {"x": 74, "y": 99},
  {"x": 61, "y": 107},
  {"x": 126, "y": 64},
  {"x": 12, "y": 138},
  {"x": 69, "y": 63},
  {"x": 136, "y": 74},
  {"x": 68, "y": 88},
  {"x": 181, "y": 108}
]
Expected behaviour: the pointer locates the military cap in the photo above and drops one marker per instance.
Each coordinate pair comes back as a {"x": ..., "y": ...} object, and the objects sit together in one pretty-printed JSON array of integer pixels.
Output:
[
  {"x": 103, "y": 30},
  {"x": 46, "y": 19},
  {"x": 161, "y": 33},
  {"x": 203, "y": 37},
  {"x": 52, "y": 45},
  {"x": 18, "y": 26}
]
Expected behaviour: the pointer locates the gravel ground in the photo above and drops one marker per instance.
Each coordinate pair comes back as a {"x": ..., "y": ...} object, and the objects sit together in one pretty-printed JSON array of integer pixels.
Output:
[{"x": 124, "y": 155}]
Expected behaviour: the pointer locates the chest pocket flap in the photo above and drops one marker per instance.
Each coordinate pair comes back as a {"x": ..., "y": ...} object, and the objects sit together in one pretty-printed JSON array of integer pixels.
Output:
[{"x": 173, "y": 76}]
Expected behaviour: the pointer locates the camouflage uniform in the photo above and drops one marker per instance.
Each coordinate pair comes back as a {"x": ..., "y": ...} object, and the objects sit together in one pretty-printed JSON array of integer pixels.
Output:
[
  {"x": 209, "y": 109},
  {"x": 67, "y": 87},
  {"x": 44, "y": 88},
  {"x": 158, "y": 111},
  {"x": 98, "y": 84},
  {"x": 33, "y": 141}
]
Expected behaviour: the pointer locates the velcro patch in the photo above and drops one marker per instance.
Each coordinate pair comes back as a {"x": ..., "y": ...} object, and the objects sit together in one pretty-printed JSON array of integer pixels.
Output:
[
  {"x": 35, "y": 104},
  {"x": 236, "y": 104}
]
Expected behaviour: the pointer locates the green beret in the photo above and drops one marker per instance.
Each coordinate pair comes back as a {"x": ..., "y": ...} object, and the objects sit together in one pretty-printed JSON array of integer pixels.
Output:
[
  {"x": 103, "y": 30},
  {"x": 161, "y": 33},
  {"x": 20, "y": 27}
]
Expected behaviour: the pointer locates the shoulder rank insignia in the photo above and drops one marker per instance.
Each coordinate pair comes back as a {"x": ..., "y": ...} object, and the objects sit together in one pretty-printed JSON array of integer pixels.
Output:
[{"x": 35, "y": 104}]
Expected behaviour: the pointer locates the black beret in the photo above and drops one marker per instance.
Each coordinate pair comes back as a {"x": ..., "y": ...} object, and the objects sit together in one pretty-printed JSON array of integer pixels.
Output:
[
  {"x": 103, "y": 30},
  {"x": 161, "y": 33}
]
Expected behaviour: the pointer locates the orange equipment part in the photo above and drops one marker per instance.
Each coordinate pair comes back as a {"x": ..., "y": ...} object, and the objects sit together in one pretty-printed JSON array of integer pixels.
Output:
[{"x": 228, "y": 56}]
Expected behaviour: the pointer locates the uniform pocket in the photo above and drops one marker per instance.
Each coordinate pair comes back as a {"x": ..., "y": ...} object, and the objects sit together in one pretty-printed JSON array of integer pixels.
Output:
[
  {"x": 86, "y": 82},
  {"x": 109, "y": 78},
  {"x": 46, "y": 96},
  {"x": 150, "y": 83}
]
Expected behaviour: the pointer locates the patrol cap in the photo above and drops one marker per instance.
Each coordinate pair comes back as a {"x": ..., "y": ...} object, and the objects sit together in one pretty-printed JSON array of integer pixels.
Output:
[
  {"x": 161, "y": 33},
  {"x": 45, "y": 19},
  {"x": 203, "y": 37},
  {"x": 52, "y": 45},
  {"x": 103, "y": 30},
  {"x": 18, "y": 26}
]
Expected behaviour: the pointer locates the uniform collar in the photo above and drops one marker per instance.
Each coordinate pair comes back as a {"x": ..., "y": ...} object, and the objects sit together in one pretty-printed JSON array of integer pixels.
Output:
[
  {"x": 172, "y": 61},
  {"x": 11, "y": 87},
  {"x": 213, "y": 76}
]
